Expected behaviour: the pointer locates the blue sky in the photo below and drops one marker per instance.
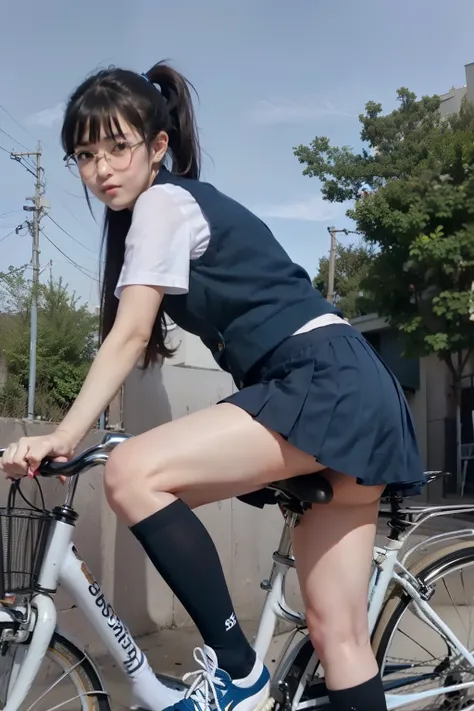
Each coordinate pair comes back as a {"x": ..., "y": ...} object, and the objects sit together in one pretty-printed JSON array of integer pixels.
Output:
[{"x": 270, "y": 76}]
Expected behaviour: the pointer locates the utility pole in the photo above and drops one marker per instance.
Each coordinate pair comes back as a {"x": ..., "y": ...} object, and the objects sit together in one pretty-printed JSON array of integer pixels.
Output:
[
  {"x": 38, "y": 209},
  {"x": 332, "y": 264},
  {"x": 332, "y": 259}
]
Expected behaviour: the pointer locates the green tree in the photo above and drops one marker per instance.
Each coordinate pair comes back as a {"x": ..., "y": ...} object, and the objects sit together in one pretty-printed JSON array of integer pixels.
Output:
[
  {"x": 67, "y": 339},
  {"x": 352, "y": 267},
  {"x": 412, "y": 187}
]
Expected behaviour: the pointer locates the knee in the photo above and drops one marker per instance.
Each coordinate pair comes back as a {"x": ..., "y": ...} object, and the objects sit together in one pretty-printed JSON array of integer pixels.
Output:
[
  {"x": 338, "y": 632},
  {"x": 133, "y": 489},
  {"x": 118, "y": 478},
  {"x": 128, "y": 480}
]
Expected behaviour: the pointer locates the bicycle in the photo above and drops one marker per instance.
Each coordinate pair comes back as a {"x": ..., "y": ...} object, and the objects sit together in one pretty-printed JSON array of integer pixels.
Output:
[{"x": 38, "y": 555}]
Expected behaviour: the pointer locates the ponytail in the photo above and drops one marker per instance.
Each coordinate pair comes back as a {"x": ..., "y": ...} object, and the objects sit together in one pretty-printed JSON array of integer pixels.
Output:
[
  {"x": 159, "y": 100},
  {"x": 183, "y": 135}
]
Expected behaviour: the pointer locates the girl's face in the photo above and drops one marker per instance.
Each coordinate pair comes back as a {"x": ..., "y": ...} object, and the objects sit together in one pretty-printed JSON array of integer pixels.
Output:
[{"x": 118, "y": 169}]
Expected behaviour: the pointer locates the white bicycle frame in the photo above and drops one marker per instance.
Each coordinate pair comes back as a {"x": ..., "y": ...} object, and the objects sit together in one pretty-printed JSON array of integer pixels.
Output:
[
  {"x": 63, "y": 566},
  {"x": 387, "y": 568}
]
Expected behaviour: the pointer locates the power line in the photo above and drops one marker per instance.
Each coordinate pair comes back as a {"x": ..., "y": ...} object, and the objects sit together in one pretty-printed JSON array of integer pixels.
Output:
[
  {"x": 12, "y": 212},
  {"x": 31, "y": 166},
  {"x": 15, "y": 121},
  {"x": 80, "y": 268},
  {"x": 70, "y": 212},
  {"x": 10, "y": 115},
  {"x": 22, "y": 128},
  {"x": 22, "y": 145},
  {"x": 13, "y": 139},
  {"x": 8, "y": 235},
  {"x": 19, "y": 124},
  {"x": 39, "y": 209},
  {"x": 71, "y": 236}
]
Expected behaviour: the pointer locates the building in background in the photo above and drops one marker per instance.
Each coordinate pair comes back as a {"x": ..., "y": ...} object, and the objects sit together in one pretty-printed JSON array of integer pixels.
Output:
[
  {"x": 427, "y": 381},
  {"x": 451, "y": 100}
]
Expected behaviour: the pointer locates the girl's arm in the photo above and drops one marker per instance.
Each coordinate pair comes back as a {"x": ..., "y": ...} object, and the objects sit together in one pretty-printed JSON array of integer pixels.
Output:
[{"x": 117, "y": 357}]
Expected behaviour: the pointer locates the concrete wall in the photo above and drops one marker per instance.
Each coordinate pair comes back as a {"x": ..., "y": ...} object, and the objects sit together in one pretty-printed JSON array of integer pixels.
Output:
[
  {"x": 470, "y": 81},
  {"x": 430, "y": 403},
  {"x": 438, "y": 407},
  {"x": 245, "y": 537},
  {"x": 372, "y": 323}
]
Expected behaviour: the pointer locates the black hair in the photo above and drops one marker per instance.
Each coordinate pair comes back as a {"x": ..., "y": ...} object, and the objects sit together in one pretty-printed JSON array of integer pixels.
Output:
[{"x": 159, "y": 100}]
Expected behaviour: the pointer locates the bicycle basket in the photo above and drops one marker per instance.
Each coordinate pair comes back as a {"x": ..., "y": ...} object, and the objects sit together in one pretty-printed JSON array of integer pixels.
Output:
[{"x": 23, "y": 538}]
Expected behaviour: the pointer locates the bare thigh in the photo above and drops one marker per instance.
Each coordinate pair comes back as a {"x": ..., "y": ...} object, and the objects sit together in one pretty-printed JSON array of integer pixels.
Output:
[
  {"x": 333, "y": 548},
  {"x": 221, "y": 448}
]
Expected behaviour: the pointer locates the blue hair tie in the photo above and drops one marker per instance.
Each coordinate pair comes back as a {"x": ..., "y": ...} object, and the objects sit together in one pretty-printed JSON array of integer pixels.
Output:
[{"x": 145, "y": 76}]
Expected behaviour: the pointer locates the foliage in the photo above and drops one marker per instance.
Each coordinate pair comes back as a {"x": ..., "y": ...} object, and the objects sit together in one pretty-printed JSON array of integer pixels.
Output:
[
  {"x": 413, "y": 190},
  {"x": 352, "y": 267},
  {"x": 67, "y": 337},
  {"x": 12, "y": 399}
]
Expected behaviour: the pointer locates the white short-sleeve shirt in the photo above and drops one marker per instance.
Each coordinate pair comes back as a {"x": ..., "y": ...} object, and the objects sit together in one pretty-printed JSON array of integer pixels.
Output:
[{"x": 168, "y": 230}]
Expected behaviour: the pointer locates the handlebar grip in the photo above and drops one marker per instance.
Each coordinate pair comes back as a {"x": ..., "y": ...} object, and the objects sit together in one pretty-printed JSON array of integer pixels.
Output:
[
  {"x": 97, "y": 454},
  {"x": 49, "y": 468}
]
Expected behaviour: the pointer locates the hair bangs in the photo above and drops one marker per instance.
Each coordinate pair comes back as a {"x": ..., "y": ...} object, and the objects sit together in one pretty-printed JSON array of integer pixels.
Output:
[{"x": 98, "y": 115}]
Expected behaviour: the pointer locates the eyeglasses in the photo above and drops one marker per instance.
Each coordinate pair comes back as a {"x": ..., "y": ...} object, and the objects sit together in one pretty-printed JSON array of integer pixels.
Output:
[{"x": 83, "y": 163}]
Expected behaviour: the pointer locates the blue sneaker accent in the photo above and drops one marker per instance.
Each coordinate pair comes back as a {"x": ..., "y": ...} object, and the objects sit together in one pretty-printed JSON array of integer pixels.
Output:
[{"x": 213, "y": 689}]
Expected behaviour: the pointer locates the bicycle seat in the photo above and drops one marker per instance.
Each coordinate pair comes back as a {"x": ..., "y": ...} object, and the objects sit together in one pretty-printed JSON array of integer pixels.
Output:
[
  {"x": 303, "y": 491},
  {"x": 397, "y": 496}
]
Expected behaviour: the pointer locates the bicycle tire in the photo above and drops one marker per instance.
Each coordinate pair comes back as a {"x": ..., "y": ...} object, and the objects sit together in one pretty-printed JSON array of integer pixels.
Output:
[
  {"x": 396, "y": 602},
  {"x": 84, "y": 671},
  {"x": 445, "y": 561}
]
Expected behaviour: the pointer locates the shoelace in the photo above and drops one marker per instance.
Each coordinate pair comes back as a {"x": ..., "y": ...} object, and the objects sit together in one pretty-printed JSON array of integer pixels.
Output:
[{"x": 204, "y": 686}]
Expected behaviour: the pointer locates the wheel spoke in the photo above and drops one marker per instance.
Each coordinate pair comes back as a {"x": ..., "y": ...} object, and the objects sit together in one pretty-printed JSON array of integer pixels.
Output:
[
  {"x": 409, "y": 673},
  {"x": 63, "y": 676},
  {"x": 77, "y": 685}
]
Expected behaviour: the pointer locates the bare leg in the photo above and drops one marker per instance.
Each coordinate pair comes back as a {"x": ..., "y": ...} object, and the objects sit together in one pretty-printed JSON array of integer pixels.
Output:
[
  {"x": 223, "y": 450},
  {"x": 333, "y": 547},
  {"x": 150, "y": 478},
  {"x": 333, "y": 550},
  {"x": 221, "y": 447}
]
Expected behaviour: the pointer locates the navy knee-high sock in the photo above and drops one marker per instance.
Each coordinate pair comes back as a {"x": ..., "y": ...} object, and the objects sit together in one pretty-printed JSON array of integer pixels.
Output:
[
  {"x": 368, "y": 696},
  {"x": 184, "y": 554}
]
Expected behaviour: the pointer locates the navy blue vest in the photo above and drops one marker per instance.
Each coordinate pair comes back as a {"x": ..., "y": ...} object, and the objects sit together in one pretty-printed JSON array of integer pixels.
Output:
[{"x": 245, "y": 295}]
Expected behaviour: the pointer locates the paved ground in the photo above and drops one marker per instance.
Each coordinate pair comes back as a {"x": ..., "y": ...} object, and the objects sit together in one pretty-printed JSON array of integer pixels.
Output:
[{"x": 169, "y": 652}]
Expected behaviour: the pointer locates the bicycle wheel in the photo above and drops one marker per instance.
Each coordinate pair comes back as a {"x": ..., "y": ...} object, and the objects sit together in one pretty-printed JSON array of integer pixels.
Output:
[
  {"x": 66, "y": 679},
  {"x": 412, "y": 655}
]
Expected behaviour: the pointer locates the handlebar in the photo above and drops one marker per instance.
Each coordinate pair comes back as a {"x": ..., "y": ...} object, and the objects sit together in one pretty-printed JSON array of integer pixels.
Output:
[{"x": 91, "y": 457}]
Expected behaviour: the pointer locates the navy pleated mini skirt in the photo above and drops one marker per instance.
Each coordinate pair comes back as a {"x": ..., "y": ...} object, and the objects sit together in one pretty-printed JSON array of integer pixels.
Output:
[{"x": 328, "y": 393}]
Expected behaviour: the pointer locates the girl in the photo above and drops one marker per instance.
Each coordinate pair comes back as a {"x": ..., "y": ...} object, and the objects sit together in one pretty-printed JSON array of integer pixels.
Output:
[{"x": 312, "y": 395}]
